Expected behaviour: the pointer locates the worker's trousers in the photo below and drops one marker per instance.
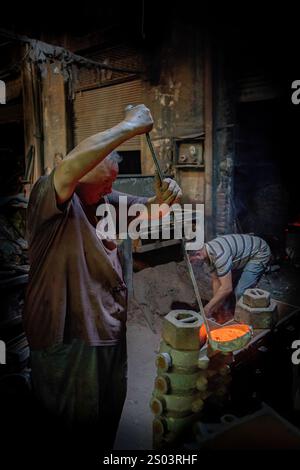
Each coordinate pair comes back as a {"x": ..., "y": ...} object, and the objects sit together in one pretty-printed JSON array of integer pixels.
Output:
[
  {"x": 248, "y": 277},
  {"x": 243, "y": 279},
  {"x": 83, "y": 389}
]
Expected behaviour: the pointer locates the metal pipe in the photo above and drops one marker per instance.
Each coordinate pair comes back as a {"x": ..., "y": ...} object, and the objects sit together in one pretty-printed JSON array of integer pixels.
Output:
[{"x": 156, "y": 162}]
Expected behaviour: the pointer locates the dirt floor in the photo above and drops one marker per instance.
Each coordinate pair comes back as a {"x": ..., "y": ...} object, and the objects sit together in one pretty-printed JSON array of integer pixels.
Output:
[{"x": 156, "y": 291}]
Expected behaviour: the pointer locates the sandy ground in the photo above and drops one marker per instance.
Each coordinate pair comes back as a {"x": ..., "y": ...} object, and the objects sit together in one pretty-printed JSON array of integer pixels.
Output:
[{"x": 135, "y": 429}]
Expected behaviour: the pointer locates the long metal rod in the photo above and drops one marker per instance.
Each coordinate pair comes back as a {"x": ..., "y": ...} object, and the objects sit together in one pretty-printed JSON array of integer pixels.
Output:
[
  {"x": 156, "y": 162},
  {"x": 185, "y": 253},
  {"x": 195, "y": 286}
]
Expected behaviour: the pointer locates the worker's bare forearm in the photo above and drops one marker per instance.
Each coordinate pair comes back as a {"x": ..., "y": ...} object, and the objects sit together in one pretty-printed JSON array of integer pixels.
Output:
[
  {"x": 218, "y": 297},
  {"x": 215, "y": 285},
  {"x": 92, "y": 151}
]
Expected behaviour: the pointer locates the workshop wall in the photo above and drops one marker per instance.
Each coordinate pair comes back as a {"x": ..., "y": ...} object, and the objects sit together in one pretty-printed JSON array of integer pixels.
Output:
[
  {"x": 224, "y": 99},
  {"x": 171, "y": 85},
  {"x": 174, "y": 93}
]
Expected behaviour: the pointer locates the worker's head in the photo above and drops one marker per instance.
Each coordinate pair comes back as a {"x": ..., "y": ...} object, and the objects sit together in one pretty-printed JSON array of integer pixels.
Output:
[
  {"x": 200, "y": 256},
  {"x": 98, "y": 182}
]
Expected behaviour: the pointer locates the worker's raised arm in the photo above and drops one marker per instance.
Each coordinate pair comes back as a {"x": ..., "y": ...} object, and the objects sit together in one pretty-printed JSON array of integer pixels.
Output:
[{"x": 94, "y": 149}]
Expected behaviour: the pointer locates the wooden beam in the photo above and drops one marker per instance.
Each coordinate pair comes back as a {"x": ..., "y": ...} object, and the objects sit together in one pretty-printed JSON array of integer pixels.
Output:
[
  {"x": 33, "y": 126},
  {"x": 60, "y": 53}
]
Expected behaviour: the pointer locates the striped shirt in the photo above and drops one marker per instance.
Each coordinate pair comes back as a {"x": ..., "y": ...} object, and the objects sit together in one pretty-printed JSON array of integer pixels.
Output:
[{"x": 230, "y": 252}]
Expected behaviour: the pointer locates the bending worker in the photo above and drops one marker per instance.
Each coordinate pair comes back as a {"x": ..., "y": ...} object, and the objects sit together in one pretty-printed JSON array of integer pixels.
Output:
[
  {"x": 236, "y": 262},
  {"x": 75, "y": 309}
]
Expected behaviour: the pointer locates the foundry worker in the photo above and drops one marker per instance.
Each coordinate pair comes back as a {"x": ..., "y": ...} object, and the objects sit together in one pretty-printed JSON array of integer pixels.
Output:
[
  {"x": 236, "y": 262},
  {"x": 75, "y": 309}
]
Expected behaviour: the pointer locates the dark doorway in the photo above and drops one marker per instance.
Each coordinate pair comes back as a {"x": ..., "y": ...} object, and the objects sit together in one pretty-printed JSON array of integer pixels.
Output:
[
  {"x": 131, "y": 162},
  {"x": 260, "y": 192}
]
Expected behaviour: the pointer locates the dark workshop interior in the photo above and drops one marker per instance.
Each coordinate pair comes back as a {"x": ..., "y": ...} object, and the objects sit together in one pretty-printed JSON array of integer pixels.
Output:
[{"x": 222, "y": 87}]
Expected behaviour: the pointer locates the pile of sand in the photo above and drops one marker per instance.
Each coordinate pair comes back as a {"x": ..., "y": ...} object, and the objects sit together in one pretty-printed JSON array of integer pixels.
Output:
[{"x": 156, "y": 289}]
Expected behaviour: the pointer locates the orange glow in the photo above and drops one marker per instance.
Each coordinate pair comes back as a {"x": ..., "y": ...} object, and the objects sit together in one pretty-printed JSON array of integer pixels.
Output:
[
  {"x": 202, "y": 334},
  {"x": 229, "y": 332},
  {"x": 225, "y": 333}
]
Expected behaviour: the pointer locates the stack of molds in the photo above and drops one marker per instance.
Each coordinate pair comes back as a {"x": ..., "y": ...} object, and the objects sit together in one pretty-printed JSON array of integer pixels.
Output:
[
  {"x": 188, "y": 373},
  {"x": 256, "y": 308}
]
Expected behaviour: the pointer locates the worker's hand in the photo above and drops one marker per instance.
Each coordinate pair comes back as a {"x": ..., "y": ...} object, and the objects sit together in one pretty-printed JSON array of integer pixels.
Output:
[
  {"x": 138, "y": 119},
  {"x": 168, "y": 192}
]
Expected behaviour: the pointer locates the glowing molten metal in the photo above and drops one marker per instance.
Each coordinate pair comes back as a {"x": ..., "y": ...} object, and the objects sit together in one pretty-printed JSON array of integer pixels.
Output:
[{"x": 228, "y": 335}]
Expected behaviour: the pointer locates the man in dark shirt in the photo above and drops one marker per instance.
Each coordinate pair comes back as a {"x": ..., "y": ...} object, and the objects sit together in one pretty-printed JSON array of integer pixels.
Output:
[{"x": 75, "y": 309}]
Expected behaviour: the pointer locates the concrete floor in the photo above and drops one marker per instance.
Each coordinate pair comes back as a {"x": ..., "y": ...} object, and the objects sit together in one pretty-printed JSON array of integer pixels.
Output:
[{"x": 135, "y": 429}]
